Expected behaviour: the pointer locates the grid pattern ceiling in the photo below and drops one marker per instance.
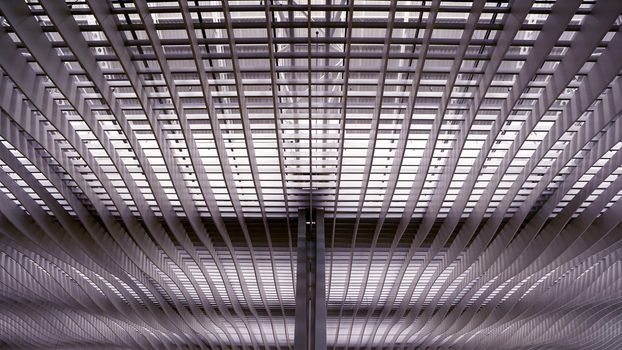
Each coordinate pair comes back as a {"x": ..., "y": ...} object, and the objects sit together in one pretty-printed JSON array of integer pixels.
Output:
[{"x": 154, "y": 156}]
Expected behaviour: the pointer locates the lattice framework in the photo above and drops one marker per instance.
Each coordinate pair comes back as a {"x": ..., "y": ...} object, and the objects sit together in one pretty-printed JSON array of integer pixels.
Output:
[{"x": 154, "y": 156}]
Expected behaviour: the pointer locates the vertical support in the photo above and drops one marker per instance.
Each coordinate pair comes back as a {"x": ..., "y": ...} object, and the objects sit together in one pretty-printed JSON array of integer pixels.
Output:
[
  {"x": 310, "y": 330},
  {"x": 320, "y": 283},
  {"x": 301, "y": 330}
]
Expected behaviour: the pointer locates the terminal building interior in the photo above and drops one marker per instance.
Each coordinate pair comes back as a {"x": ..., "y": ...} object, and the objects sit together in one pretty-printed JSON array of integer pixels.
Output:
[{"x": 311, "y": 174}]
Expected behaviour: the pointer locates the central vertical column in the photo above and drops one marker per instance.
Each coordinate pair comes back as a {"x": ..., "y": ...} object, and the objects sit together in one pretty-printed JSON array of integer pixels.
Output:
[
  {"x": 310, "y": 330},
  {"x": 301, "y": 331},
  {"x": 319, "y": 283}
]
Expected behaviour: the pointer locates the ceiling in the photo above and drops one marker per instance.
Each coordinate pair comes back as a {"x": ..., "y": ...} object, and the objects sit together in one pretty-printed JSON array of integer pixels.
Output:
[{"x": 154, "y": 156}]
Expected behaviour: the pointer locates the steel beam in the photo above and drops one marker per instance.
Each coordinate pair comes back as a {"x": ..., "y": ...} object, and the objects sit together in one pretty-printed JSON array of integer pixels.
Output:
[{"x": 310, "y": 332}]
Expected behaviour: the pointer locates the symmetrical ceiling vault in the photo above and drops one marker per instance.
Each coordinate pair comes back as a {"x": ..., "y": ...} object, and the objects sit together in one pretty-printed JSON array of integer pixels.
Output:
[{"x": 155, "y": 157}]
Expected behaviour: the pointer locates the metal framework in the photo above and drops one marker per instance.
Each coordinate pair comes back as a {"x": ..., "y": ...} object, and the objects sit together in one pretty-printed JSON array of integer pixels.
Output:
[{"x": 283, "y": 174}]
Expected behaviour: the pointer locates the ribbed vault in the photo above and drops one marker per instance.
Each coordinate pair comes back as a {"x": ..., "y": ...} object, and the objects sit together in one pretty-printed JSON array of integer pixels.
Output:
[{"x": 155, "y": 156}]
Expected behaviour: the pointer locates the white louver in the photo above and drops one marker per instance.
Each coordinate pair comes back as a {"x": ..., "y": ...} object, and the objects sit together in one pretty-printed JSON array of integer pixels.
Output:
[{"x": 155, "y": 156}]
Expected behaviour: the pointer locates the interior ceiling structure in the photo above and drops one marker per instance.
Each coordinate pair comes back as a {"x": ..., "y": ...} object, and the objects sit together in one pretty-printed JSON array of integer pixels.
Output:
[{"x": 155, "y": 157}]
